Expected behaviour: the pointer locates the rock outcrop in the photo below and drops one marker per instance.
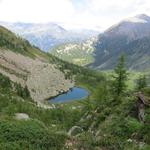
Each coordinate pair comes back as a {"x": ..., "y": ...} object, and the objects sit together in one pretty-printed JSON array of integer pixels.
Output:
[
  {"x": 43, "y": 79},
  {"x": 75, "y": 130},
  {"x": 22, "y": 116}
]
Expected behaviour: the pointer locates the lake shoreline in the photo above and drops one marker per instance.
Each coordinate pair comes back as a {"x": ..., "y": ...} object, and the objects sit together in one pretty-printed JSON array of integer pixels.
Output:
[{"x": 76, "y": 97}]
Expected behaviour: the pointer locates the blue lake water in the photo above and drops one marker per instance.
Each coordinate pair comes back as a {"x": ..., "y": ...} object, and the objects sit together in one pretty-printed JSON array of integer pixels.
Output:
[{"x": 75, "y": 93}]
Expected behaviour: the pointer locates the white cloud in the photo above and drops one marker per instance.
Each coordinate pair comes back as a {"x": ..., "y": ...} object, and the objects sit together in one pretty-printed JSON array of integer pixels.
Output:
[
  {"x": 108, "y": 12},
  {"x": 35, "y": 10},
  {"x": 85, "y": 13}
]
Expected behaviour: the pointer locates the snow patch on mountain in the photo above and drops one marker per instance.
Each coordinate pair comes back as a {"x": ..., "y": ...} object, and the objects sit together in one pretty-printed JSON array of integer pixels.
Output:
[
  {"x": 77, "y": 53},
  {"x": 136, "y": 20}
]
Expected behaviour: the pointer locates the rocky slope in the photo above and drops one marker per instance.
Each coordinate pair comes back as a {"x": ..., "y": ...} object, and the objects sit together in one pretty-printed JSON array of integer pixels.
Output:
[
  {"x": 131, "y": 37},
  {"x": 29, "y": 66},
  {"x": 80, "y": 54}
]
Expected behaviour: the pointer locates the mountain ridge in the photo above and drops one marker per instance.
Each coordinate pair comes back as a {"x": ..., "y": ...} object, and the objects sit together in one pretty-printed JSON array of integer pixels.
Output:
[
  {"x": 48, "y": 35},
  {"x": 124, "y": 38}
]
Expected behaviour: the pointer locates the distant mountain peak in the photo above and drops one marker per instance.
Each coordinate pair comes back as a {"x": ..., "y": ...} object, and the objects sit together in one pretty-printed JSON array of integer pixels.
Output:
[
  {"x": 131, "y": 36},
  {"x": 141, "y": 18},
  {"x": 129, "y": 24}
]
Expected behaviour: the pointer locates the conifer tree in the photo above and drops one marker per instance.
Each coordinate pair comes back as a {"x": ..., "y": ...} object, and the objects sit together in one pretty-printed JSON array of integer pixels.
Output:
[
  {"x": 120, "y": 77},
  {"x": 141, "y": 82}
]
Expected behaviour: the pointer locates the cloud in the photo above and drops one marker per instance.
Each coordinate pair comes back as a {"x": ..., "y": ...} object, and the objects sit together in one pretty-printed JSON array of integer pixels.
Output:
[
  {"x": 35, "y": 10},
  {"x": 108, "y": 12},
  {"x": 88, "y": 13}
]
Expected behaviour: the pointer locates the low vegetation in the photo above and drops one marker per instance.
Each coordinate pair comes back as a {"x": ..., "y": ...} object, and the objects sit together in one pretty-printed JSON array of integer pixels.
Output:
[
  {"x": 115, "y": 124},
  {"x": 108, "y": 121},
  {"x": 46, "y": 128}
]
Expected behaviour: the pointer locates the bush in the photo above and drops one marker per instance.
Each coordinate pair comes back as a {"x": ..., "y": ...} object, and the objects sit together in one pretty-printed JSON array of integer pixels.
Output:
[
  {"x": 29, "y": 134},
  {"x": 133, "y": 125},
  {"x": 4, "y": 81},
  {"x": 22, "y": 92}
]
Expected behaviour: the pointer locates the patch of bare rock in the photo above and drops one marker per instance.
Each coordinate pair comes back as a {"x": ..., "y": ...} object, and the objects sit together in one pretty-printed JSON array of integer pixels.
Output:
[
  {"x": 43, "y": 79},
  {"x": 22, "y": 116}
]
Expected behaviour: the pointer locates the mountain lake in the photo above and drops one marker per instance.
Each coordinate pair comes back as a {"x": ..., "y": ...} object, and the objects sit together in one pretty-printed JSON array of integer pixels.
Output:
[{"x": 73, "y": 94}]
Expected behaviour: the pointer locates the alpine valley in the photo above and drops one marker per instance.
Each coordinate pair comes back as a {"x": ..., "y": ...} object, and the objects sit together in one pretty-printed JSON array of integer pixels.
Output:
[
  {"x": 108, "y": 75},
  {"x": 130, "y": 37}
]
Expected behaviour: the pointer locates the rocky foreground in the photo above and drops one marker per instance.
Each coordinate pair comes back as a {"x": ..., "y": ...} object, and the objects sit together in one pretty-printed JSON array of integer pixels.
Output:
[{"x": 43, "y": 79}]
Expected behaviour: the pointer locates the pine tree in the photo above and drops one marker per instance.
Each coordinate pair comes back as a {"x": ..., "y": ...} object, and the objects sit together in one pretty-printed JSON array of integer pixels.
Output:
[
  {"x": 26, "y": 92},
  {"x": 19, "y": 90},
  {"x": 120, "y": 77},
  {"x": 141, "y": 82}
]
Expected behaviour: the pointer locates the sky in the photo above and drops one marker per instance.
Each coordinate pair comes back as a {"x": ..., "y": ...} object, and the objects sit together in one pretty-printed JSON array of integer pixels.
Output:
[{"x": 91, "y": 14}]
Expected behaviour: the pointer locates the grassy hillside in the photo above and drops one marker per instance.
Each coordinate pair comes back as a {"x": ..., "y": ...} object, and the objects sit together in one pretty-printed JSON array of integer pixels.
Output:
[
  {"x": 110, "y": 122},
  {"x": 16, "y": 44},
  {"x": 45, "y": 129},
  {"x": 80, "y": 54},
  {"x": 107, "y": 123},
  {"x": 114, "y": 126}
]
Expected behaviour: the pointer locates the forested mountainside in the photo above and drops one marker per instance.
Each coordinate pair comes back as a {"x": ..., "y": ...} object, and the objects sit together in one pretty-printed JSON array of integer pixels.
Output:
[{"x": 130, "y": 37}]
